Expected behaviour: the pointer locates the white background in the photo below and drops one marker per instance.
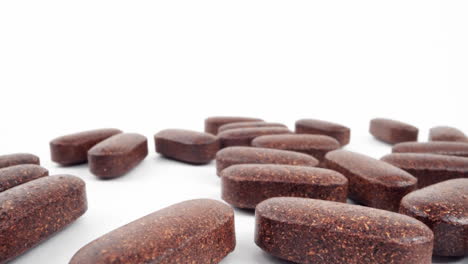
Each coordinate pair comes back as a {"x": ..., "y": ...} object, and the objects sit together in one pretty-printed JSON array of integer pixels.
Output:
[{"x": 143, "y": 66}]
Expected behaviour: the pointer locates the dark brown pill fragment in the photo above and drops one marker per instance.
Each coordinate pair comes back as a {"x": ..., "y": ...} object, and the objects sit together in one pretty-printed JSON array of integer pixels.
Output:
[
  {"x": 117, "y": 155},
  {"x": 247, "y": 125},
  {"x": 372, "y": 182},
  {"x": 320, "y": 127},
  {"x": 244, "y": 136},
  {"x": 429, "y": 168},
  {"x": 33, "y": 211},
  {"x": 323, "y": 232},
  {"x": 435, "y": 147},
  {"x": 73, "y": 149},
  {"x": 392, "y": 131},
  {"x": 213, "y": 123},
  {"x": 315, "y": 145},
  {"x": 246, "y": 185},
  {"x": 444, "y": 208},
  {"x": 196, "y": 231},
  {"x": 19, "y": 174},
  {"x": 17, "y": 159},
  {"x": 445, "y": 133},
  {"x": 248, "y": 155}
]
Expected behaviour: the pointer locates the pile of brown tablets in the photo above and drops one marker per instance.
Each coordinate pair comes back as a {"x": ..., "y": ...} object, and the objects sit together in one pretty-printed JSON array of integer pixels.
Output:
[{"x": 413, "y": 202}]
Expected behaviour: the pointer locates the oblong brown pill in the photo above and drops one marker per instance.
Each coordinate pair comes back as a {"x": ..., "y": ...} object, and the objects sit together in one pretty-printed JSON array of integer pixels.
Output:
[
  {"x": 248, "y": 155},
  {"x": 117, "y": 155},
  {"x": 320, "y": 127},
  {"x": 434, "y": 147},
  {"x": 19, "y": 174},
  {"x": 186, "y": 145},
  {"x": 392, "y": 131},
  {"x": 322, "y": 232},
  {"x": 33, "y": 211},
  {"x": 195, "y": 231},
  {"x": 445, "y": 133},
  {"x": 429, "y": 168},
  {"x": 73, "y": 149},
  {"x": 244, "y": 136},
  {"x": 213, "y": 123},
  {"x": 17, "y": 159},
  {"x": 315, "y": 145},
  {"x": 246, "y": 185},
  {"x": 372, "y": 182},
  {"x": 444, "y": 208},
  {"x": 248, "y": 124}
]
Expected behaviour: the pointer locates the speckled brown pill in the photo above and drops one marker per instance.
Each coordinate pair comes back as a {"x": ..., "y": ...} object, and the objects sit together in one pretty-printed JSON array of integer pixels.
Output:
[
  {"x": 323, "y": 232},
  {"x": 429, "y": 168},
  {"x": 244, "y": 136},
  {"x": 248, "y": 155},
  {"x": 371, "y": 182},
  {"x": 392, "y": 131},
  {"x": 320, "y": 127},
  {"x": 19, "y": 174},
  {"x": 444, "y": 208},
  {"x": 315, "y": 145},
  {"x": 435, "y": 147},
  {"x": 213, "y": 123},
  {"x": 117, "y": 155},
  {"x": 248, "y": 124},
  {"x": 17, "y": 159},
  {"x": 186, "y": 145},
  {"x": 73, "y": 149},
  {"x": 33, "y": 211},
  {"x": 445, "y": 133},
  {"x": 246, "y": 185},
  {"x": 196, "y": 231}
]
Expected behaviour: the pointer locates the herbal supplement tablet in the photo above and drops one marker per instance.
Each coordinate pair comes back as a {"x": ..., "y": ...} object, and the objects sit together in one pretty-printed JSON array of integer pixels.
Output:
[
  {"x": 19, "y": 174},
  {"x": 213, "y": 123},
  {"x": 17, "y": 159},
  {"x": 320, "y": 127},
  {"x": 434, "y": 147},
  {"x": 244, "y": 136},
  {"x": 392, "y": 131},
  {"x": 445, "y": 133}
]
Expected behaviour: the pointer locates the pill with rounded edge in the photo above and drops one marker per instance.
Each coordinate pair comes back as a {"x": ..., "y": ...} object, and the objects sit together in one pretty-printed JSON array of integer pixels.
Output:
[
  {"x": 19, "y": 174},
  {"x": 320, "y": 127},
  {"x": 17, "y": 159},
  {"x": 246, "y": 185},
  {"x": 117, "y": 155},
  {"x": 315, "y": 145},
  {"x": 444, "y": 208},
  {"x": 213, "y": 123},
  {"x": 429, "y": 168},
  {"x": 434, "y": 147},
  {"x": 445, "y": 133},
  {"x": 73, "y": 148},
  {"x": 195, "y": 231},
  {"x": 371, "y": 182},
  {"x": 244, "y": 136},
  {"x": 33, "y": 211},
  {"x": 322, "y": 232},
  {"x": 248, "y": 124},
  {"x": 392, "y": 131},
  {"x": 248, "y": 155}
]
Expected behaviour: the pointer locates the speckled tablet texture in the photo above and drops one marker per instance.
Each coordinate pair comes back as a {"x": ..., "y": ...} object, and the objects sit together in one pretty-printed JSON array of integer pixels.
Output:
[
  {"x": 392, "y": 131},
  {"x": 196, "y": 231},
  {"x": 213, "y": 123},
  {"x": 19, "y": 174},
  {"x": 249, "y": 155},
  {"x": 444, "y": 208},
  {"x": 320, "y": 127},
  {"x": 17, "y": 159},
  {"x": 372, "y": 182},
  {"x": 322, "y": 232},
  {"x": 246, "y": 185},
  {"x": 73, "y": 149},
  {"x": 434, "y": 147},
  {"x": 315, "y": 145},
  {"x": 429, "y": 168},
  {"x": 248, "y": 124},
  {"x": 33, "y": 211},
  {"x": 244, "y": 136},
  {"x": 445, "y": 133},
  {"x": 187, "y": 145},
  {"x": 117, "y": 155}
]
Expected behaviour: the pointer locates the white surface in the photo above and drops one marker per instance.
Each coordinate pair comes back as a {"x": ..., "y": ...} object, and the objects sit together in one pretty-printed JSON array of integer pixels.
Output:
[{"x": 143, "y": 66}]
